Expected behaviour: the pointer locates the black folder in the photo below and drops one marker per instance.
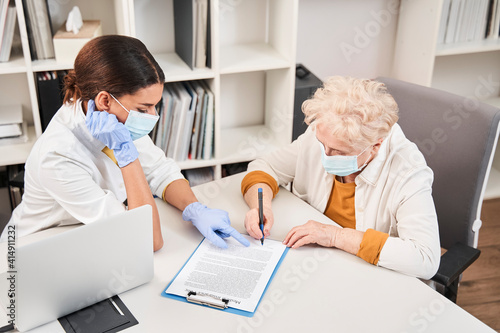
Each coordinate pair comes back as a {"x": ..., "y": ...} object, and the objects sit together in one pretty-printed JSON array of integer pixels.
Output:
[
  {"x": 185, "y": 32},
  {"x": 50, "y": 95},
  {"x": 102, "y": 317}
]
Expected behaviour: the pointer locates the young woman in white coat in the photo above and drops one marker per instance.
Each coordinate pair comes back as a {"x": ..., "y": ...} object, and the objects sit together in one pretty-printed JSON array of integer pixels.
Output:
[{"x": 96, "y": 153}]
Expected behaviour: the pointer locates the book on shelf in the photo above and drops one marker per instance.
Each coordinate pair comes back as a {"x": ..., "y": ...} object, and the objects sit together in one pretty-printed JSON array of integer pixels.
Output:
[
  {"x": 164, "y": 124},
  {"x": 39, "y": 29},
  {"x": 472, "y": 19},
  {"x": 482, "y": 24},
  {"x": 11, "y": 114},
  {"x": 10, "y": 130},
  {"x": 208, "y": 139},
  {"x": 153, "y": 134},
  {"x": 461, "y": 20},
  {"x": 202, "y": 129},
  {"x": 7, "y": 28},
  {"x": 22, "y": 138},
  {"x": 495, "y": 23},
  {"x": 452, "y": 21},
  {"x": 480, "y": 19},
  {"x": 197, "y": 119},
  {"x": 12, "y": 127},
  {"x": 4, "y": 6},
  {"x": 185, "y": 128},
  {"x": 201, "y": 34},
  {"x": 443, "y": 23},
  {"x": 199, "y": 176},
  {"x": 490, "y": 20},
  {"x": 191, "y": 25}
]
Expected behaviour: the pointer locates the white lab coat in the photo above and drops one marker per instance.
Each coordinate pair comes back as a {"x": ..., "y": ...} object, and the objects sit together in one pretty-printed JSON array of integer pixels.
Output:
[
  {"x": 392, "y": 195},
  {"x": 69, "y": 180}
]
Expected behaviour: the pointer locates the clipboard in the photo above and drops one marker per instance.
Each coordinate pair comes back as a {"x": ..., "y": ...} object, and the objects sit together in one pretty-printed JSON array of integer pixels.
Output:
[{"x": 215, "y": 303}]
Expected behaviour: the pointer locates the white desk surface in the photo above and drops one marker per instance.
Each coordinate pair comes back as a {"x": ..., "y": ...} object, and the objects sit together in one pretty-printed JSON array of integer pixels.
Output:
[{"x": 316, "y": 289}]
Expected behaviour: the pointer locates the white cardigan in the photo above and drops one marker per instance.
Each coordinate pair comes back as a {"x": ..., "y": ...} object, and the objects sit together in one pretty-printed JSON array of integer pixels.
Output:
[
  {"x": 393, "y": 195},
  {"x": 69, "y": 180}
]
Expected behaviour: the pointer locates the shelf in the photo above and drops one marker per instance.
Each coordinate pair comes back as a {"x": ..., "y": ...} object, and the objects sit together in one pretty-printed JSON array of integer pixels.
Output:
[
  {"x": 245, "y": 143},
  {"x": 250, "y": 57},
  {"x": 176, "y": 69},
  {"x": 493, "y": 101},
  {"x": 485, "y": 45},
  {"x": 195, "y": 164},
  {"x": 50, "y": 65},
  {"x": 16, "y": 65},
  {"x": 17, "y": 153}
]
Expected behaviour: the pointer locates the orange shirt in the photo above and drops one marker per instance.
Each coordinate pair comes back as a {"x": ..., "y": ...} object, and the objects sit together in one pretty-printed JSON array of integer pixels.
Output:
[{"x": 340, "y": 208}]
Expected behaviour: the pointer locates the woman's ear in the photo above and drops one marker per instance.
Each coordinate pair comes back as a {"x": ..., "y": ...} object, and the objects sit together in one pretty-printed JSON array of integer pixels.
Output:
[
  {"x": 102, "y": 101},
  {"x": 378, "y": 144}
]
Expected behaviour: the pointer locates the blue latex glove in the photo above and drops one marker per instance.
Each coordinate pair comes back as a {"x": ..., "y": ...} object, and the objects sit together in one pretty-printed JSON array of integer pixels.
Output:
[
  {"x": 214, "y": 224},
  {"x": 106, "y": 128}
]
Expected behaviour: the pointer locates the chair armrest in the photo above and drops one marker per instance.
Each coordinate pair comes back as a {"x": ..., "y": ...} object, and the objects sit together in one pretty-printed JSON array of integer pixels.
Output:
[{"x": 454, "y": 262}]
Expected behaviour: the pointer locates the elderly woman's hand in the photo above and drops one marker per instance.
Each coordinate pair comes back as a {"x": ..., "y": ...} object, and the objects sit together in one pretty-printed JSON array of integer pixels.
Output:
[
  {"x": 252, "y": 222},
  {"x": 312, "y": 232}
]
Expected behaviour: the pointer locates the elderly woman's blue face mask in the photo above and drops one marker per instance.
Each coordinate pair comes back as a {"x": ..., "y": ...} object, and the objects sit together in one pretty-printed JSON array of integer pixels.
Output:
[{"x": 342, "y": 165}]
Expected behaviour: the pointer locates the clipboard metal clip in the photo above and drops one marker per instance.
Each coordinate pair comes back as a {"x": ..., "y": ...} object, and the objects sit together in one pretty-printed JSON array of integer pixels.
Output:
[{"x": 207, "y": 300}]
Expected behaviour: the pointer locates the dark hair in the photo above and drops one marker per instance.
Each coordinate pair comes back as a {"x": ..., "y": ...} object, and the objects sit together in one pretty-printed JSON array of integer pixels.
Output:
[{"x": 117, "y": 64}]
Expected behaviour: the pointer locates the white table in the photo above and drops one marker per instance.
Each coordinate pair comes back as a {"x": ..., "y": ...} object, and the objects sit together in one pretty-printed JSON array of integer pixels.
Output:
[{"x": 316, "y": 289}]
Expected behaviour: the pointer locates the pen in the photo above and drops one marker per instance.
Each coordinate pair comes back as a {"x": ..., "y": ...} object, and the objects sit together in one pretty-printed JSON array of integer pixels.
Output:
[{"x": 261, "y": 216}]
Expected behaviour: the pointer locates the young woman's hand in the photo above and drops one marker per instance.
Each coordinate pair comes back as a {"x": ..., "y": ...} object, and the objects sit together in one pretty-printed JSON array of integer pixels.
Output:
[
  {"x": 106, "y": 128},
  {"x": 214, "y": 224}
]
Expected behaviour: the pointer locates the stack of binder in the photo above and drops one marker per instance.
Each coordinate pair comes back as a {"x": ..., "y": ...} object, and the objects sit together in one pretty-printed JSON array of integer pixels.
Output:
[
  {"x": 186, "y": 125},
  {"x": 36, "y": 13},
  {"x": 192, "y": 32},
  {"x": 469, "y": 20},
  {"x": 12, "y": 127},
  {"x": 50, "y": 94},
  {"x": 7, "y": 26}
]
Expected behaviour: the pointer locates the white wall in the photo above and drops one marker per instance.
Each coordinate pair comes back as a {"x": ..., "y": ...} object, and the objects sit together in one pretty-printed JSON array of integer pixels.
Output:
[{"x": 347, "y": 37}]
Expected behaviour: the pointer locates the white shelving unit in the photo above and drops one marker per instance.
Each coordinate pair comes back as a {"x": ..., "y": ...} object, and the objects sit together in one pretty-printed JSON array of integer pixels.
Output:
[
  {"x": 17, "y": 77},
  {"x": 252, "y": 75},
  {"x": 460, "y": 68}
]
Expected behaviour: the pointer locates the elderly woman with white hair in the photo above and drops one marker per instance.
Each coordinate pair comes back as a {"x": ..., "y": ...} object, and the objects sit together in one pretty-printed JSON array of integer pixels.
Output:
[{"x": 354, "y": 164}]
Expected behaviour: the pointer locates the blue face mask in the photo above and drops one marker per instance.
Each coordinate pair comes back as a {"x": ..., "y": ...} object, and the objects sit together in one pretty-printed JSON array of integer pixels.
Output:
[
  {"x": 138, "y": 124},
  {"x": 341, "y": 165}
]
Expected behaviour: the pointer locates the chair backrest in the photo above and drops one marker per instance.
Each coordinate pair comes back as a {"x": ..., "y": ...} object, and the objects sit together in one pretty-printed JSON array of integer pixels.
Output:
[{"x": 458, "y": 138}]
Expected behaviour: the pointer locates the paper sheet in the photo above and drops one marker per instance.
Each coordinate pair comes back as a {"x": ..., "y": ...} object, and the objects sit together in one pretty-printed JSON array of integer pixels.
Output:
[{"x": 238, "y": 273}]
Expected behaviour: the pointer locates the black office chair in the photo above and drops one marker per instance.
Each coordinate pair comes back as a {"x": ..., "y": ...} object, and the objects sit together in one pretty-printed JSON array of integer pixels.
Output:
[{"x": 458, "y": 138}]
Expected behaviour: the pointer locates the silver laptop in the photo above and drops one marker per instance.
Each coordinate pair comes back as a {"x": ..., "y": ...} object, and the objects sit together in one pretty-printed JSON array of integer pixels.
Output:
[{"x": 77, "y": 268}]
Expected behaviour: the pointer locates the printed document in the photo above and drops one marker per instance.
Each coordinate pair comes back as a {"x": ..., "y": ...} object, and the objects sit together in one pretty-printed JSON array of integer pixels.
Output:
[{"x": 237, "y": 273}]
